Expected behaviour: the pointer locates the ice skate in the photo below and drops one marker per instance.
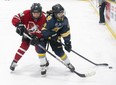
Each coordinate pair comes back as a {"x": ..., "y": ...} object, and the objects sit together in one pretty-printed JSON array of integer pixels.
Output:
[
  {"x": 71, "y": 67},
  {"x": 102, "y": 23},
  {"x": 43, "y": 70},
  {"x": 13, "y": 65}
]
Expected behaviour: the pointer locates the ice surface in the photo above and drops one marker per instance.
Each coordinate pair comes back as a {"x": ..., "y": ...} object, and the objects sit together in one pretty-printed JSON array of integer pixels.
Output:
[{"x": 90, "y": 39}]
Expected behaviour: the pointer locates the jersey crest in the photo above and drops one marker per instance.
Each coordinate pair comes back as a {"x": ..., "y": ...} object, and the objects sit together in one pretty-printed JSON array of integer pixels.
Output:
[
  {"x": 58, "y": 26},
  {"x": 32, "y": 27}
]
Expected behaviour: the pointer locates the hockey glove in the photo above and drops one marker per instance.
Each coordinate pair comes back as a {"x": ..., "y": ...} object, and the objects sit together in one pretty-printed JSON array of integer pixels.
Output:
[
  {"x": 35, "y": 40},
  {"x": 20, "y": 29},
  {"x": 68, "y": 46}
]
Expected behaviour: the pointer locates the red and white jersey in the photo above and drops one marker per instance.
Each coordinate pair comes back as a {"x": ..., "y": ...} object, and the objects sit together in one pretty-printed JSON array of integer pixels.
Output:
[{"x": 32, "y": 26}]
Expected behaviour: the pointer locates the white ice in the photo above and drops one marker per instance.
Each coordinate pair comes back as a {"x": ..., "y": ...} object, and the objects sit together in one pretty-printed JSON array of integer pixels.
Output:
[{"x": 89, "y": 38}]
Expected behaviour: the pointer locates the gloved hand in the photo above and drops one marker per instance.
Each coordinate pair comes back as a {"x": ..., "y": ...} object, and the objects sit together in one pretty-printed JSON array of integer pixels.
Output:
[
  {"x": 68, "y": 46},
  {"x": 35, "y": 40},
  {"x": 20, "y": 29}
]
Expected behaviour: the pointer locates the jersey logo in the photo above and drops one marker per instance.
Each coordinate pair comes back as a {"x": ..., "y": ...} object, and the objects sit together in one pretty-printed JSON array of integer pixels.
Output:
[
  {"x": 32, "y": 28},
  {"x": 58, "y": 26}
]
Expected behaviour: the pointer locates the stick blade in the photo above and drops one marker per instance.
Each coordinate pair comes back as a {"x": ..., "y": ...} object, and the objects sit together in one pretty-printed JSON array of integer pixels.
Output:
[
  {"x": 90, "y": 74},
  {"x": 85, "y": 75},
  {"x": 102, "y": 64}
]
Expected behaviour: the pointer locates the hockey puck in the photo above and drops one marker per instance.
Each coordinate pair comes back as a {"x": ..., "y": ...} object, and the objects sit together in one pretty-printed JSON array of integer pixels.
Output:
[{"x": 110, "y": 67}]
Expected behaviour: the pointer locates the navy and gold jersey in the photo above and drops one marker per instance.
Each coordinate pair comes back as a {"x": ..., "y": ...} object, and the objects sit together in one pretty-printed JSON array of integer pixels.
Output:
[{"x": 53, "y": 26}]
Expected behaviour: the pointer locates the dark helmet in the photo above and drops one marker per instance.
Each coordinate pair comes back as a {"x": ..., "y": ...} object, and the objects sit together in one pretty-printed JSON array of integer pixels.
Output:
[
  {"x": 36, "y": 7},
  {"x": 57, "y": 8}
]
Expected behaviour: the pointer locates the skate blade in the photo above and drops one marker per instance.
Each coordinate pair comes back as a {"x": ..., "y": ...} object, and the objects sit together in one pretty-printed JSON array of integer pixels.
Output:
[{"x": 43, "y": 75}]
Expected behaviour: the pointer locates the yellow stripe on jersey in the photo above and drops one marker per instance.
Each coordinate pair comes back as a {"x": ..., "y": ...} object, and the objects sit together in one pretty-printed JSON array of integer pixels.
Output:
[
  {"x": 42, "y": 55},
  {"x": 63, "y": 57},
  {"x": 43, "y": 28},
  {"x": 59, "y": 47},
  {"x": 44, "y": 25},
  {"x": 56, "y": 29},
  {"x": 49, "y": 18},
  {"x": 65, "y": 34}
]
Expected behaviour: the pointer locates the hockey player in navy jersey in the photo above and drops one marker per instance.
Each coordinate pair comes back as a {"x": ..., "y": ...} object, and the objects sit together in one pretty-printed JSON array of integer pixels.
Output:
[{"x": 57, "y": 26}]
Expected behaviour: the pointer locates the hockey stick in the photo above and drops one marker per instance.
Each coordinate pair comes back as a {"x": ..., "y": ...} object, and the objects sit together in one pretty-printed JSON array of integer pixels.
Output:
[
  {"x": 79, "y": 74},
  {"x": 100, "y": 64}
]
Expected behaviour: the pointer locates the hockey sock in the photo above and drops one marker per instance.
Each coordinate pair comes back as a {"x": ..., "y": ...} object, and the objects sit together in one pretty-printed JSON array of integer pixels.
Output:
[
  {"x": 65, "y": 59},
  {"x": 20, "y": 52},
  {"x": 42, "y": 59}
]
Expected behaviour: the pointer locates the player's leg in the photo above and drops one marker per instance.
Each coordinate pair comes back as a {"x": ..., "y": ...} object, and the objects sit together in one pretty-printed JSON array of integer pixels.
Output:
[{"x": 20, "y": 52}]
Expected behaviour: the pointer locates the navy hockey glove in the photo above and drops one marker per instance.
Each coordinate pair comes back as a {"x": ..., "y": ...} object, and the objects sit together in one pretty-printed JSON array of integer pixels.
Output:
[
  {"x": 68, "y": 46},
  {"x": 20, "y": 29}
]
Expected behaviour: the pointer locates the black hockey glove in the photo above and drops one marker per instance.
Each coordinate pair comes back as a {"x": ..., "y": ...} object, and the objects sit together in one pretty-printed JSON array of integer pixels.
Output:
[
  {"x": 35, "y": 40},
  {"x": 68, "y": 46},
  {"x": 20, "y": 29}
]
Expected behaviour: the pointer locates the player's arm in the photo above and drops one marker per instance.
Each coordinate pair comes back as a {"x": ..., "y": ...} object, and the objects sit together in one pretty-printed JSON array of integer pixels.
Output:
[
  {"x": 17, "y": 18},
  {"x": 47, "y": 28},
  {"x": 17, "y": 22},
  {"x": 65, "y": 33}
]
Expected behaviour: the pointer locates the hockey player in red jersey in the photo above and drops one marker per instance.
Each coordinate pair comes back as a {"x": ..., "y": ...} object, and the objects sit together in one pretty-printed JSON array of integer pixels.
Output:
[{"x": 32, "y": 21}]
